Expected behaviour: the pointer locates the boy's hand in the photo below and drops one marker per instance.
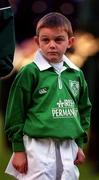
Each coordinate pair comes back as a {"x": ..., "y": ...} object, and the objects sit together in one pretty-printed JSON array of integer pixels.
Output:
[
  {"x": 80, "y": 157},
  {"x": 19, "y": 162}
]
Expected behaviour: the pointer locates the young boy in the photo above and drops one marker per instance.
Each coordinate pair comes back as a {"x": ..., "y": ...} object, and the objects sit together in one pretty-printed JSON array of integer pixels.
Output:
[
  {"x": 7, "y": 38},
  {"x": 48, "y": 111}
]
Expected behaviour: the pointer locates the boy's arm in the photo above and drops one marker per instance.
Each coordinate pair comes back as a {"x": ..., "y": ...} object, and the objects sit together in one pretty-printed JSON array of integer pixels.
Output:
[
  {"x": 7, "y": 38},
  {"x": 15, "y": 114},
  {"x": 84, "y": 106},
  {"x": 17, "y": 106}
]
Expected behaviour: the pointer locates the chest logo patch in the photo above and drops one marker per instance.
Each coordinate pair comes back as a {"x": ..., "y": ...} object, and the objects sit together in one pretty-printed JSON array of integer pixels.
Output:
[
  {"x": 74, "y": 87},
  {"x": 65, "y": 109}
]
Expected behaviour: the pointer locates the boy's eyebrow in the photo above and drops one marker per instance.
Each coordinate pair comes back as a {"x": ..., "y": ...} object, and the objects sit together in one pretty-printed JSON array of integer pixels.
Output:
[{"x": 61, "y": 36}]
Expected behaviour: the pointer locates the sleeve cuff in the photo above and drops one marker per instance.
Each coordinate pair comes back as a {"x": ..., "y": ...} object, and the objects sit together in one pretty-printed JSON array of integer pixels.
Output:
[
  {"x": 80, "y": 143},
  {"x": 18, "y": 147},
  {"x": 82, "y": 140}
]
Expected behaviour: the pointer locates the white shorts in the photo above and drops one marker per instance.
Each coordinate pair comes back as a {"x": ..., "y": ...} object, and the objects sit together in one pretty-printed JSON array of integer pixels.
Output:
[{"x": 48, "y": 159}]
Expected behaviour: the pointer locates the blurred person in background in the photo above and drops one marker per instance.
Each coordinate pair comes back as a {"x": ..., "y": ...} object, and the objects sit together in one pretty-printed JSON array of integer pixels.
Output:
[{"x": 7, "y": 38}]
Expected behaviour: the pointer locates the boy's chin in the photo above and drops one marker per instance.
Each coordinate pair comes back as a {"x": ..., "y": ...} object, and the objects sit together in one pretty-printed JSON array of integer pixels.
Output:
[{"x": 53, "y": 60}]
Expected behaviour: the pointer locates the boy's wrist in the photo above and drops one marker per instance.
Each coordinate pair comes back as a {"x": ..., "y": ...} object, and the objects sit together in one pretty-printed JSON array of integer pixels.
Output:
[
  {"x": 4, "y": 3},
  {"x": 18, "y": 147}
]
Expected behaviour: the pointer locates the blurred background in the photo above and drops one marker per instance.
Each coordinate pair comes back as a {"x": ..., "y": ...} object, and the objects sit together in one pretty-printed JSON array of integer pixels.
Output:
[{"x": 84, "y": 16}]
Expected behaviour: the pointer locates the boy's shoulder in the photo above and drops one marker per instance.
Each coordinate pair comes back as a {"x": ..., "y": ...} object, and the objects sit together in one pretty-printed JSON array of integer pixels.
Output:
[
  {"x": 31, "y": 67},
  {"x": 27, "y": 71},
  {"x": 70, "y": 63},
  {"x": 74, "y": 67}
]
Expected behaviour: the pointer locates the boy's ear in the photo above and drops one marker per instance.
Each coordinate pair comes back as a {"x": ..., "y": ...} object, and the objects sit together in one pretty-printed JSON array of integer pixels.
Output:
[
  {"x": 71, "y": 41},
  {"x": 36, "y": 39}
]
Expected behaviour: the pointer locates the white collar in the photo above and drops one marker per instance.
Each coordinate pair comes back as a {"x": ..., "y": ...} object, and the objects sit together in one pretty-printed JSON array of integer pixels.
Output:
[
  {"x": 40, "y": 61},
  {"x": 42, "y": 64}
]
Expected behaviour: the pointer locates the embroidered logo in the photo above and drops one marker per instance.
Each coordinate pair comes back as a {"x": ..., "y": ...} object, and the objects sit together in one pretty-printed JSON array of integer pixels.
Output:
[
  {"x": 43, "y": 91},
  {"x": 74, "y": 86}
]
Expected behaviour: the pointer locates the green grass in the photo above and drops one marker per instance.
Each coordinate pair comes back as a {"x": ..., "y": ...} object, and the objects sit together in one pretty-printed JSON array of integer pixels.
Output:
[
  {"x": 5, "y": 154},
  {"x": 86, "y": 171}
]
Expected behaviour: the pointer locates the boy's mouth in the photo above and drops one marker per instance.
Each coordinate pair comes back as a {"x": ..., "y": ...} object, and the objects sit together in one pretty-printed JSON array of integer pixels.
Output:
[{"x": 53, "y": 53}]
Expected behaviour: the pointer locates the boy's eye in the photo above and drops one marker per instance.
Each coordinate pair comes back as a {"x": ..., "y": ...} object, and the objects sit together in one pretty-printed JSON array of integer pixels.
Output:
[
  {"x": 59, "y": 39},
  {"x": 46, "y": 40}
]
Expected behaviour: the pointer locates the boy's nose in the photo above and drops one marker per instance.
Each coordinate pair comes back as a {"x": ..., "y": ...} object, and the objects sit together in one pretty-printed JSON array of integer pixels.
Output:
[{"x": 52, "y": 43}]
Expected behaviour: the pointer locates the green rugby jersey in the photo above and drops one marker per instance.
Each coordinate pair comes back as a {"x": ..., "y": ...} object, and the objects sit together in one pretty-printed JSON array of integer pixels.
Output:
[{"x": 46, "y": 104}]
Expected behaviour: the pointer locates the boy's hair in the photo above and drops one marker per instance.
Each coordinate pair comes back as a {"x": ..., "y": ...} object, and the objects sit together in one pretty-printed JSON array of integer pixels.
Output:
[{"x": 54, "y": 20}]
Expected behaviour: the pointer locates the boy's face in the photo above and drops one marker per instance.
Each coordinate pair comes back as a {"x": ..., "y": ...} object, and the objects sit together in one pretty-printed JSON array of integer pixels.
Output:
[{"x": 53, "y": 42}]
